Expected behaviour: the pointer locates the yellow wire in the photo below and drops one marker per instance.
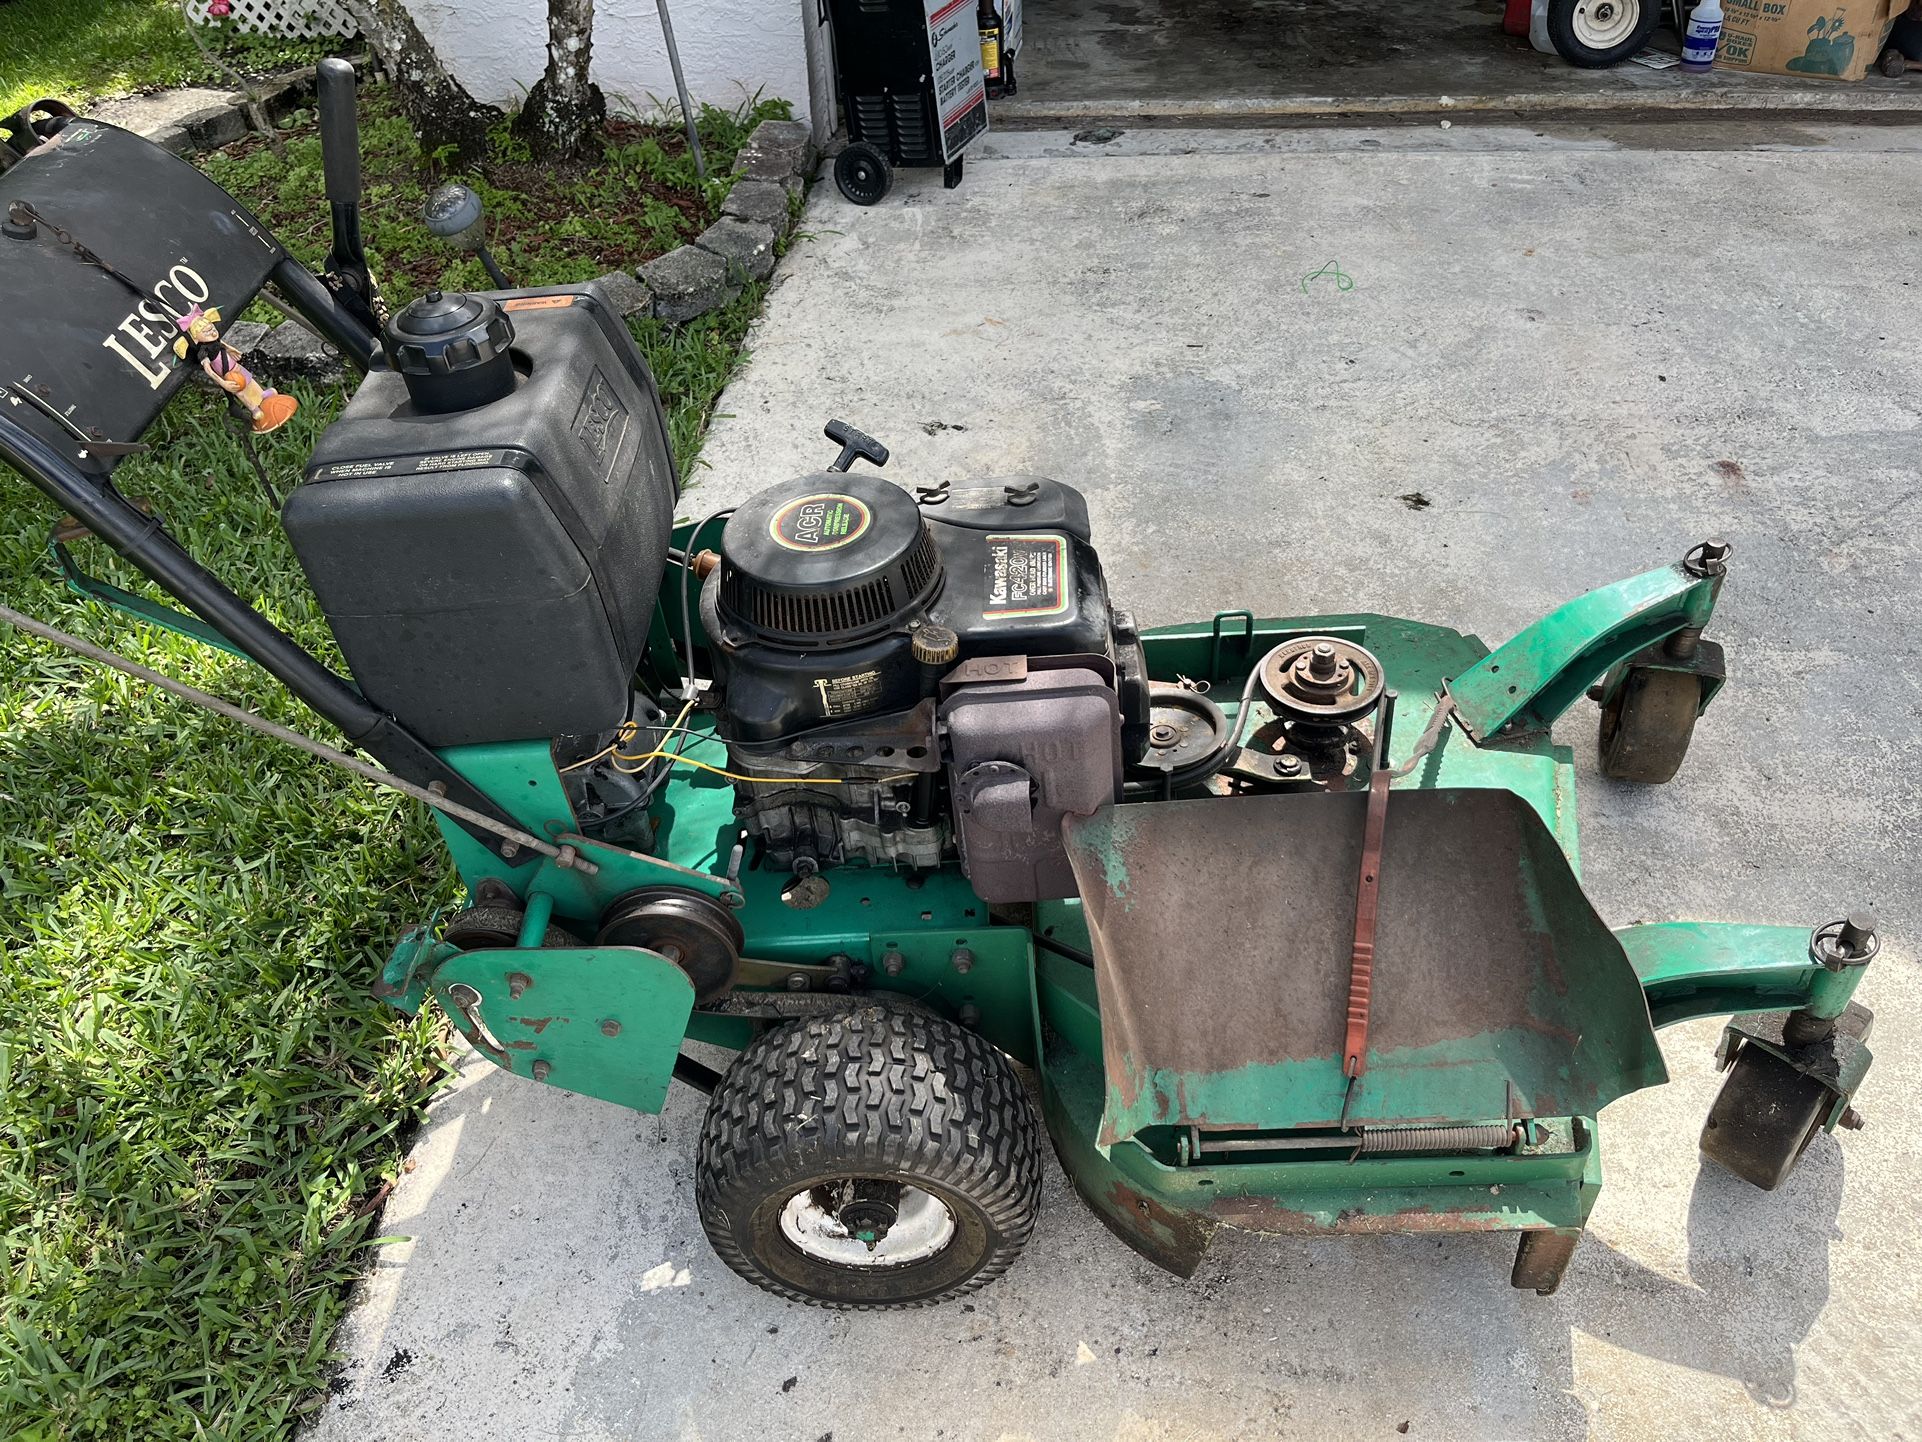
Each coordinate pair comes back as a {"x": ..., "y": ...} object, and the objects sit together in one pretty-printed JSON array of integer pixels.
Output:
[
  {"x": 771, "y": 780},
  {"x": 625, "y": 733},
  {"x": 629, "y": 729}
]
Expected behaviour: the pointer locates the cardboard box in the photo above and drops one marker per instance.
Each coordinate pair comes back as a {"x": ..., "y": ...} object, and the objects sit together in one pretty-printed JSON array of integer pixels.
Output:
[{"x": 1830, "y": 39}]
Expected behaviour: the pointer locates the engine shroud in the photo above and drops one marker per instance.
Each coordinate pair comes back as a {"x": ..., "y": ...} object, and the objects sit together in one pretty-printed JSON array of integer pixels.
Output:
[
  {"x": 849, "y": 621},
  {"x": 826, "y": 560},
  {"x": 825, "y": 580}
]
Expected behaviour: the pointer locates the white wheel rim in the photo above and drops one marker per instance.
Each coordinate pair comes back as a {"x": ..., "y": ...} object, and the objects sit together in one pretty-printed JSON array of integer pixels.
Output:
[
  {"x": 1604, "y": 24},
  {"x": 923, "y": 1227}
]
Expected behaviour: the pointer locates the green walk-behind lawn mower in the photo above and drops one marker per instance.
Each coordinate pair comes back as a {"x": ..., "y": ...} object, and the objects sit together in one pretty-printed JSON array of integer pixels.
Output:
[{"x": 880, "y": 789}]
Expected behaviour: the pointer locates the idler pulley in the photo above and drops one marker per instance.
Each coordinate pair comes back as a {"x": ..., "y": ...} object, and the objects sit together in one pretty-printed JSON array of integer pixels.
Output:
[{"x": 1321, "y": 679}]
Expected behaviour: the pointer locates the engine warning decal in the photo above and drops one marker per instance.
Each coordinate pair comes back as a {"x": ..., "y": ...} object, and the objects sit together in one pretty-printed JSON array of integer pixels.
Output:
[
  {"x": 1027, "y": 575},
  {"x": 824, "y": 522},
  {"x": 848, "y": 695},
  {"x": 409, "y": 465},
  {"x": 539, "y": 302}
]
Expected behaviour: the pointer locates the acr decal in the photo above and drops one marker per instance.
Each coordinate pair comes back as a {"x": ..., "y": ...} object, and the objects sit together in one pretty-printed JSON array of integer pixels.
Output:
[{"x": 823, "y": 522}]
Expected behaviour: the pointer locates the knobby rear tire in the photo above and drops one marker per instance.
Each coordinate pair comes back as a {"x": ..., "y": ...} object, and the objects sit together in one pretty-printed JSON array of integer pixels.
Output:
[{"x": 877, "y": 1092}]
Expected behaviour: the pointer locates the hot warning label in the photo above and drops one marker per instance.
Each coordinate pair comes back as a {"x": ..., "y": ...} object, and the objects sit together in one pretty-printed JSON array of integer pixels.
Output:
[{"x": 1027, "y": 575}]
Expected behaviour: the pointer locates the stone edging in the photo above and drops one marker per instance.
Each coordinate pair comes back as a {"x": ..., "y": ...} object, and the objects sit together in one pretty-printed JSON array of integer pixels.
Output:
[
  {"x": 219, "y": 125},
  {"x": 706, "y": 274}
]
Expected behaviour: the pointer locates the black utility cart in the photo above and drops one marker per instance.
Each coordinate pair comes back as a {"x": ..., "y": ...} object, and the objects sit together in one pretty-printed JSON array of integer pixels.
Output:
[{"x": 911, "y": 88}]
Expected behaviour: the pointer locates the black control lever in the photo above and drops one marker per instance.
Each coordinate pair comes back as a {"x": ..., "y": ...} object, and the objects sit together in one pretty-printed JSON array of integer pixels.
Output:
[
  {"x": 455, "y": 214},
  {"x": 347, "y": 275},
  {"x": 855, "y": 446}
]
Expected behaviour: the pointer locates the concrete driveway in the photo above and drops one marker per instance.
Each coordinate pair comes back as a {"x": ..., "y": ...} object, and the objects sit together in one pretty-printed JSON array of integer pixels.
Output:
[{"x": 1459, "y": 375}]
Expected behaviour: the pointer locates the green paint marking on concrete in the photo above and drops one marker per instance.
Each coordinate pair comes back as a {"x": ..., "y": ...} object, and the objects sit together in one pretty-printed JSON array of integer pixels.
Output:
[{"x": 1331, "y": 271}]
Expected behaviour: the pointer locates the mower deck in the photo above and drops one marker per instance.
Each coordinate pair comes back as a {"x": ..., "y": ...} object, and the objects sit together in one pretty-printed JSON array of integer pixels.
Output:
[{"x": 1549, "y": 1015}]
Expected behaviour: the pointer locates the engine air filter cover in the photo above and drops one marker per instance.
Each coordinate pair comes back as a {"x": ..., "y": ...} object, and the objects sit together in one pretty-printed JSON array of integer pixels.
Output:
[{"x": 827, "y": 559}]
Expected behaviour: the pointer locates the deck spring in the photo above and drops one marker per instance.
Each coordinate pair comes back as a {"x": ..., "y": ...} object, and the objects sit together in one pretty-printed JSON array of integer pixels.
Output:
[{"x": 1489, "y": 1136}]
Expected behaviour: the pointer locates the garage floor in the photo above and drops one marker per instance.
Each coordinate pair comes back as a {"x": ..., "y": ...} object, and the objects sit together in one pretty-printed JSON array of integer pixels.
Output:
[
  {"x": 1217, "y": 57},
  {"x": 1537, "y": 380}
]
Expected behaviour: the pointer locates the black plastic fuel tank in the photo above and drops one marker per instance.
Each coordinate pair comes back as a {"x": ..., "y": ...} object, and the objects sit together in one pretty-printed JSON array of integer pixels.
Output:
[{"x": 490, "y": 573}]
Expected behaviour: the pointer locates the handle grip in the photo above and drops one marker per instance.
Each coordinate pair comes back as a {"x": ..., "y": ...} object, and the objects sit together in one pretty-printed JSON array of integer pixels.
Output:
[
  {"x": 855, "y": 445},
  {"x": 339, "y": 131}
]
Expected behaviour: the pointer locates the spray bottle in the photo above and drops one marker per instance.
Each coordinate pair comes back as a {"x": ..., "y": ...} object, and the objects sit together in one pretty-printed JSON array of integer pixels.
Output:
[{"x": 1704, "y": 33}]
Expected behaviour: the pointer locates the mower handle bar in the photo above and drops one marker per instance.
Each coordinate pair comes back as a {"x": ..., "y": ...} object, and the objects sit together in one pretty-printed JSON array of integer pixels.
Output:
[{"x": 339, "y": 131}]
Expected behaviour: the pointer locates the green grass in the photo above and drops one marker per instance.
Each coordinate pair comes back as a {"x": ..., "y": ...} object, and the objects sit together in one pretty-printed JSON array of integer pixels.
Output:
[
  {"x": 199, "y": 1100},
  {"x": 80, "y": 50},
  {"x": 546, "y": 226}
]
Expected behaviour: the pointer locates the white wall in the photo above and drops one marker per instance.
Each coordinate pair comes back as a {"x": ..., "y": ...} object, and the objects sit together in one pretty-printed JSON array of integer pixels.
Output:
[{"x": 729, "y": 49}]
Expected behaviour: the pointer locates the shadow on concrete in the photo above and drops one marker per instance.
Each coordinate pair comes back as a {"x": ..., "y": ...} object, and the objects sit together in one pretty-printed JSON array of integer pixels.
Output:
[
  {"x": 1758, "y": 1268},
  {"x": 559, "y": 1284}
]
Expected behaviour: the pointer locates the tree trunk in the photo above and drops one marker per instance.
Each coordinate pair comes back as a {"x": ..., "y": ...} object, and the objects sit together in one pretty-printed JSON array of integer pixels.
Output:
[
  {"x": 444, "y": 115},
  {"x": 562, "y": 117}
]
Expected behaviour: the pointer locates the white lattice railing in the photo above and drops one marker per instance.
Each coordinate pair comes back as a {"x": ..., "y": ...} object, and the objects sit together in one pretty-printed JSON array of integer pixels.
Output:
[{"x": 299, "y": 19}]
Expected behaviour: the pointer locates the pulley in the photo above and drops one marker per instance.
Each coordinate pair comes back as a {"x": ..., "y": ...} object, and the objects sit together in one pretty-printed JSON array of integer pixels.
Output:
[
  {"x": 693, "y": 930},
  {"x": 1321, "y": 679},
  {"x": 1186, "y": 731}
]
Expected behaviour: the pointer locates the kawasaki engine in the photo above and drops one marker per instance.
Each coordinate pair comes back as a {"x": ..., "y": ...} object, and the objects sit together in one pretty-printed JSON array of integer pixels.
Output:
[{"x": 907, "y": 680}]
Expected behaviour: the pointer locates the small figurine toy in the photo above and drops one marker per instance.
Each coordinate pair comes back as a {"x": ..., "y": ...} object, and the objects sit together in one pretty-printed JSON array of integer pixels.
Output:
[{"x": 269, "y": 408}]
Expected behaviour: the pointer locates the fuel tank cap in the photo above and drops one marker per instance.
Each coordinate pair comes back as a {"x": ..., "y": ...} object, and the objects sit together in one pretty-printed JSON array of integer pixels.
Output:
[{"x": 451, "y": 349}]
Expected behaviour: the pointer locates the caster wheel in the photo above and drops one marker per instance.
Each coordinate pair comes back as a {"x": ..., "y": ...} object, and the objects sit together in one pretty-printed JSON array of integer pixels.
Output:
[
  {"x": 871, "y": 1158},
  {"x": 1595, "y": 33},
  {"x": 1764, "y": 1118},
  {"x": 1893, "y": 63},
  {"x": 863, "y": 173},
  {"x": 1647, "y": 724},
  {"x": 495, "y": 928}
]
